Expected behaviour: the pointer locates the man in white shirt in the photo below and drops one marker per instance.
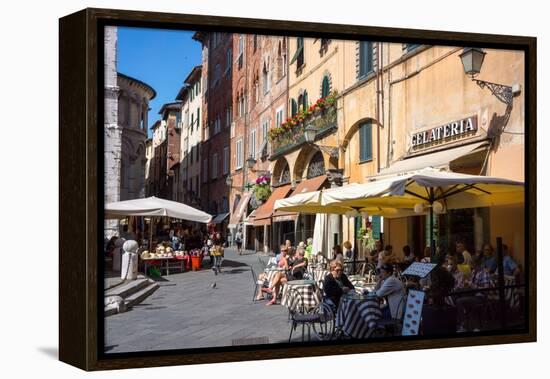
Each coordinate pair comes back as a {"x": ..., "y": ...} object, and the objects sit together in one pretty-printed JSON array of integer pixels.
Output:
[{"x": 393, "y": 290}]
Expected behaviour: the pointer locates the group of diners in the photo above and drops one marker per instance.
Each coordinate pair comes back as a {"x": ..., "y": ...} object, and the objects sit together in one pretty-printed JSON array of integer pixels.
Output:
[{"x": 457, "y": 270}]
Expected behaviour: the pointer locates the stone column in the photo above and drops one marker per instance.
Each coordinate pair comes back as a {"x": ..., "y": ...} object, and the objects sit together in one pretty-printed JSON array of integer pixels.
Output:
[
  {"x": 112, "y": 131},
  {"x": 335, "y": 178}
]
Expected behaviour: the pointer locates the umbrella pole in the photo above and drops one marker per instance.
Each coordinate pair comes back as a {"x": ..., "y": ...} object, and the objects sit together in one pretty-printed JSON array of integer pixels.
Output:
[
  {"x": 151, "y": 223},
  {"x": 432, "y": 241}
]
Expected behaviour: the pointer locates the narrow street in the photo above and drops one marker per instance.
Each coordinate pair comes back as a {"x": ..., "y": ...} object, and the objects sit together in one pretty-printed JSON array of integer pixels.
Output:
[{"x": 187, "y": 312}]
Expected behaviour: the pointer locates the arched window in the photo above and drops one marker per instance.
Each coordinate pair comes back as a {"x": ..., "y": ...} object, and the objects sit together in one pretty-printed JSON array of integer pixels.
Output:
[
  {"x": 325, "y": 86},
  {"x": 285, "y": 175},
  {"x": 316, "y": 166}
]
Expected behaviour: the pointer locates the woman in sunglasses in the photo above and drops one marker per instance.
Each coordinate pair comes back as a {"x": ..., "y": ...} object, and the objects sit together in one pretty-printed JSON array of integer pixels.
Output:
[{"x": 336, "y": 283}]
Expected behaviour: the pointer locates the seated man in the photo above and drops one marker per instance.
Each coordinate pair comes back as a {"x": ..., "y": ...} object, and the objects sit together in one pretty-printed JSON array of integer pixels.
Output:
[
  {"x": 452, "y": 267},
  {"x": 336, "y": 283},
  {"x": 393, "y": 290}
]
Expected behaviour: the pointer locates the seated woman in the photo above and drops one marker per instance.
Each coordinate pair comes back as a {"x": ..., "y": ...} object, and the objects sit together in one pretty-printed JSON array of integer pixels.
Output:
[
  {"x": 336, "y": 283},
  {"x": 295, "y": 268},
  {"x": 282, "y": 262},
  {"x": 276, "y": 281}
]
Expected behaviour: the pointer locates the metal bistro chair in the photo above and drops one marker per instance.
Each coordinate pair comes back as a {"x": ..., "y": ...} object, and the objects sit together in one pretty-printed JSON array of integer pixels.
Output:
[
  {"x": 390, "y": 327},
  {"x": 258, "y": 282},
  {"x": 321, "y": 318}
]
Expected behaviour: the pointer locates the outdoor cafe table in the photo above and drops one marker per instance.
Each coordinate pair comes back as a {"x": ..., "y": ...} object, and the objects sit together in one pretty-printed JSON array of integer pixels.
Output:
[
  {"x": 308, "y": 291},
  {"x": 360, "y": 283},
  {"x": 357, "y": 314}
]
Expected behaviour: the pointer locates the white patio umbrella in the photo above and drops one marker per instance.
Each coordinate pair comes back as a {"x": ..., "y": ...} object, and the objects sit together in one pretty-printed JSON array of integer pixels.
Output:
[{"x": 154, "y": 206}]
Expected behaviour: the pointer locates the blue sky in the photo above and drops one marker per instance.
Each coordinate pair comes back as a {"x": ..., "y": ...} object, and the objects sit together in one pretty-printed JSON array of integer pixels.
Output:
[{"x": 160, "y": 58}]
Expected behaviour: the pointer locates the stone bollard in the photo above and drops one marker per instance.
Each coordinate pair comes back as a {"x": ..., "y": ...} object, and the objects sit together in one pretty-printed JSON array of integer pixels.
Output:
[{"x": 129, "y": 261}]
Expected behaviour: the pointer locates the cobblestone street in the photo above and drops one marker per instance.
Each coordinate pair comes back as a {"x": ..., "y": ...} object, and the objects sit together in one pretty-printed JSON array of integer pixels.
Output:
[{"x": 186, "y": 312}]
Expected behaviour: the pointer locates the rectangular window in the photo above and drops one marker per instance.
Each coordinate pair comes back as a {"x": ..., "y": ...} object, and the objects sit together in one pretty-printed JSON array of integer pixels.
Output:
[
  {"x": 192, "y": 154},
  {"x": 205, "y": 170},
  {"x": 265, "y": 128},
  {"x": 365, "y": 142},
  {"x": 240, "y": 58},
  {"x": 217, "y": 125},
  {"x": 279, "y": 117},
  {"x": 365, "y": 58},
  {"x": 299, "y": 54},
  {"x": 198, "y": 118},
  {"x": 239, "y": 154},
  {"x": 214, "y": 165},
  {"x": 252, "y": 143},
  {"x": 229, "y": 58},
  {"x": 226, "y": 160}
]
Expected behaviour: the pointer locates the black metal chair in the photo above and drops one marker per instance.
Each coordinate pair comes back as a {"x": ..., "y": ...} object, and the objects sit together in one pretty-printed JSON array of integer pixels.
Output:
[
  {"x": 321, "y": 318},
  {"x": 390, "y": 327}
]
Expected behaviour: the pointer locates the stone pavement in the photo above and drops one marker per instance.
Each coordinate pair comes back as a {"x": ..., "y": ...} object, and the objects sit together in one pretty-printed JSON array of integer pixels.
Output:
[{"x": 187, "y": 312}]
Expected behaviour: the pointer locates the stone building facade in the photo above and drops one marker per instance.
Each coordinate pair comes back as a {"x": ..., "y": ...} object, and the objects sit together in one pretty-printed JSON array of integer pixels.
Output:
[
  {"x": 125, "y": 131},
  {"x": 133, "y": 108},
  {"x": 217, "y": 105}
]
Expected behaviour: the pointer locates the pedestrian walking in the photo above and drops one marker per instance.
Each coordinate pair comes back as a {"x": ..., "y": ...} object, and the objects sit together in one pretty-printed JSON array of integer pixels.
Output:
[{"x": 239, "y": 241}]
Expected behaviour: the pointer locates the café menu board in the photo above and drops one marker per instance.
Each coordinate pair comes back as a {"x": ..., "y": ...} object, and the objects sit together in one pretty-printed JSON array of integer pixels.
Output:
[
  {"x": 413, "y": 311},
  {"x": 419, "y": 269}
]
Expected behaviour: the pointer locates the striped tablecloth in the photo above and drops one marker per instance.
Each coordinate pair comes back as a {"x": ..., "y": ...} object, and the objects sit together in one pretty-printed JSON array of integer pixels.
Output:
[
  {"x": 308, "y": 291},
  {"x": 357, "y": 314}
]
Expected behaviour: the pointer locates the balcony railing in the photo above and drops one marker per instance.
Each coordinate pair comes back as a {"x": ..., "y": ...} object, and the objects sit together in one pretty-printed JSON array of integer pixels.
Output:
[{"x": 325, "y": 122}]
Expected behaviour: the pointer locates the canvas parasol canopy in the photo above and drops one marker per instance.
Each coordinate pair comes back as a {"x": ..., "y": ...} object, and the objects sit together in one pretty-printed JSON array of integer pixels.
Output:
[
  {"x": 453, "y": 190},
  {"x": 153, "y": 206},
  {"x": 428, "y": 188}
]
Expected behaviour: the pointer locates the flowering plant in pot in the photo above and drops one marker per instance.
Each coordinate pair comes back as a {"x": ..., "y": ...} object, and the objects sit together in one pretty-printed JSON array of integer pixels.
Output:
[{"x": 262, "y": 188}]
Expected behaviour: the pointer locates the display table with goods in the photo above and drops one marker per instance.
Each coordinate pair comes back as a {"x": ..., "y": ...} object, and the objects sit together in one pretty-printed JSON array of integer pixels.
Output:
[{"x": 164, "y": 257}]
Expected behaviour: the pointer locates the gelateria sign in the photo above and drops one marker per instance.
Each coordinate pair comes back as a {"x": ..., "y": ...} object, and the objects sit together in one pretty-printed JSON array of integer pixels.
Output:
[{"x": 448, "y": 132}]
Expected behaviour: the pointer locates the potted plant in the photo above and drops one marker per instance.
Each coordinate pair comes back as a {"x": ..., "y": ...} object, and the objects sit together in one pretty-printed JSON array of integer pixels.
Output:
[{"x": 262, "y": 189}]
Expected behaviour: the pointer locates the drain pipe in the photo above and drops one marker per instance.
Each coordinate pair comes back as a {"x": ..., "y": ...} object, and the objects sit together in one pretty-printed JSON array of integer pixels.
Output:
[{"x": 378, "y": 44}]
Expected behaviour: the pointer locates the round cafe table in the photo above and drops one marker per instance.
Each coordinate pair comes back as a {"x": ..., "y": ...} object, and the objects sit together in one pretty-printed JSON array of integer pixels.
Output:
[
  {"x": 357, "y": 314},
  {"x": 306, "y": 291}
]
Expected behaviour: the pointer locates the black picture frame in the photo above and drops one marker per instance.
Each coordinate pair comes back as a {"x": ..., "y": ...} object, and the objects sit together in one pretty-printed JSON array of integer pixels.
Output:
[{"x": 81, "y": 204}]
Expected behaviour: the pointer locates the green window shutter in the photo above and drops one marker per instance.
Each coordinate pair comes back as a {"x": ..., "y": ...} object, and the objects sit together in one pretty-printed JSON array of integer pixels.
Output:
[
  {"x": 365, "y": 142},
  {"x": 299, "y": 49},
  {"x": 293, "y": 107},
  {"x": 325, "y": 87},
  {"x": 304, "y": 100},
  {"x": 376, "y": 220},
  {"x": 365, "y": 58}
]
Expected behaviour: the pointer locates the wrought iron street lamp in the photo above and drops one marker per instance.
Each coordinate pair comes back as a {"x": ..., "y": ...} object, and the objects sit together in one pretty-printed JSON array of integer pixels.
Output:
[
  {"x": 310, "y": 133},
  {"x": 472, "y": 60}
]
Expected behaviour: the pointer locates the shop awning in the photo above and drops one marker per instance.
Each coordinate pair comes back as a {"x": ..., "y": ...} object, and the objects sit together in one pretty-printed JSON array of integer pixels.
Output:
[
  {"x": 218, "y": 219},
  {"x": 305, "y": 186},
  {"x": 265, "y": 211},
  {"x": 239, "y": 211},
  {"x": 438, "y": 159}
]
